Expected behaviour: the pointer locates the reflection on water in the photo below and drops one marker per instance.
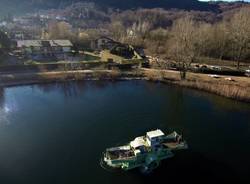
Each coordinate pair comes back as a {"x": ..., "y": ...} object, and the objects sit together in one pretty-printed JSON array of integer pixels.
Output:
[
  {"x": 7, "y": 107},
  {"x": 3, "y": 109},
  {"x": 4, "y": 116},
  {"x": 1, "y": 96},
  {"x": 69, "y": 89},
  {"x": 55, "y": 133},
  {"x": 221, "y": 102}
]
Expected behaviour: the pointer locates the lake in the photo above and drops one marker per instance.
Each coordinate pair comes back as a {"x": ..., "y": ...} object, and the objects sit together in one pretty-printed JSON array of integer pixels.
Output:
[{"x": 55, "y": 133}]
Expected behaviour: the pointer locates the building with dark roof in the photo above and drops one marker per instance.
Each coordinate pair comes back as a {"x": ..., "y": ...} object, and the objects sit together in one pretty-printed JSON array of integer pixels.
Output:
[{"x": 45, "y": 49}]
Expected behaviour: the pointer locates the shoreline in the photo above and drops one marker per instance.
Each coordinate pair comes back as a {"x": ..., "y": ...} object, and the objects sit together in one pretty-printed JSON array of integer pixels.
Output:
[{"x": 239, "y": 89}]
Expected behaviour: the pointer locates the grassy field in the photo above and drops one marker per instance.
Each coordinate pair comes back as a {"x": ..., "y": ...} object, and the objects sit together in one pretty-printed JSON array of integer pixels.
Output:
[{"x": 228, "y": 86}]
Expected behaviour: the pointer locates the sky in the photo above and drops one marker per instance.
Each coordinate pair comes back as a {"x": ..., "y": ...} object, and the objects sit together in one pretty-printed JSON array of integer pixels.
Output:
[{"x": 227, "y": 0}]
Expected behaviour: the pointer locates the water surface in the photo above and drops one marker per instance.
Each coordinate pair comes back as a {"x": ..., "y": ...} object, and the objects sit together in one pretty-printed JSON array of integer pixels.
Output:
[{"x": 55, "y": 133}]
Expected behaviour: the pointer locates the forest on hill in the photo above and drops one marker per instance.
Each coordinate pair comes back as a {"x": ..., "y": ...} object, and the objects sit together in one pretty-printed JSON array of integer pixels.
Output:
[
  {"x": 9, "y": 6},
  {"x": 213, "y": 33}
]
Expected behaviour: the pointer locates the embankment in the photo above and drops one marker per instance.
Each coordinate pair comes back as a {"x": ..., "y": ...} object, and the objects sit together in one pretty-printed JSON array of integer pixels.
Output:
[
  {"x": 15, "y": 79},
  {"x": 237, "y": 88}
]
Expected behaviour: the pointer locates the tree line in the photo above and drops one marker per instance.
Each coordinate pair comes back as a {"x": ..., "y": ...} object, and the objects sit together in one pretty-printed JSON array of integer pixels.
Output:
[
  {"x": 185, "y": 39},
  {"x": 188, "y": 39}
]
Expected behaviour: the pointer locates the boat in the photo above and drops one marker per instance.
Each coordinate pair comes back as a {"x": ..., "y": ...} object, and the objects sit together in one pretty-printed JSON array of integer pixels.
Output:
[{"x": 144, "y": 152}]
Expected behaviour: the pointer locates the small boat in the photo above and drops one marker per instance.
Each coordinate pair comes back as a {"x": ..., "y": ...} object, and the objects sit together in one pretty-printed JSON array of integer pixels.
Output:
[{"x": 145, "y": 152}]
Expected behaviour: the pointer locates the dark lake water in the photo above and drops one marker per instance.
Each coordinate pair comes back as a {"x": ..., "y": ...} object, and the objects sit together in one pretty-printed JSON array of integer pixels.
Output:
[{"x": 55, "y": 133}]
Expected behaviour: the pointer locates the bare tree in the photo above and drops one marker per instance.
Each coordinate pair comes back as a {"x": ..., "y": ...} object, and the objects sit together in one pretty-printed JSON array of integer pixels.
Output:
[
  {"x": 118, "y": 30},
  {"x": 218, "y": 43},
  {"x": 240, "y": 34},
  {"x": 59, "y": 30},
  {"x": 201, "y": 39},
  {"x": 183, "y": 48},
  {"x": 157, "y": 40}
]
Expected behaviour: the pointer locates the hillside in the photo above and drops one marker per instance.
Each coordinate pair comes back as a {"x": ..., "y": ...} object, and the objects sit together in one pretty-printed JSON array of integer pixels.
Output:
[{"x": 9, "y": 6}]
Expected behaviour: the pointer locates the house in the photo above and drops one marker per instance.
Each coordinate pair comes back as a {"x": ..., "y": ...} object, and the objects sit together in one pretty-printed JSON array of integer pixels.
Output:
[
  {"x": 18, "y": 35},
  {"x": 103, "y": 43},
  {"x": 120, "y": 53},
  {"x": 45, "y": 49}
]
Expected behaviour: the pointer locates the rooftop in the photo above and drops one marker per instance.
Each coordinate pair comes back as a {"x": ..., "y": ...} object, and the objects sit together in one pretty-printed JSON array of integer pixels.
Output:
[
  {"x": 43, "y": 43},
  {"x": 155, "y": 133},
  {"x": 139, "y": 141}
]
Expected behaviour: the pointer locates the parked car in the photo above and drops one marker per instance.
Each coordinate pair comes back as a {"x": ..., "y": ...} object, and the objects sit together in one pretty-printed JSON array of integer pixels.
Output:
[
  {"x": 216, "y": 68},
  {"x": 214, "y": 76},
  {"x": 203, "y": 67},
  {"x": 247, "y": 73}
]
